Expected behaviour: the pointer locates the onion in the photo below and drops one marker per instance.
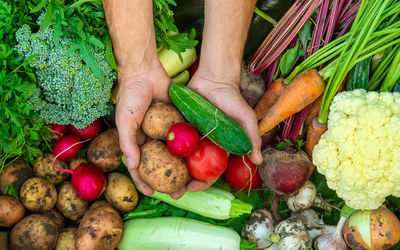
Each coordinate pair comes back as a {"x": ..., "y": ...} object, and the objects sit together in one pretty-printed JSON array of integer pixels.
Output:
[{"x": 372, "y": 229}]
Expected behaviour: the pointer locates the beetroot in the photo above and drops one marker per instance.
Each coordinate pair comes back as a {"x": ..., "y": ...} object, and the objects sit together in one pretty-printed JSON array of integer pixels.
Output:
[
  {"x": 66, "y": 148},
  {"x": 88, "y": 181},
  {"x": 284, "y": 171},
  {"x": 89, "y": 132},
  {"x": 182, "y": 139}
]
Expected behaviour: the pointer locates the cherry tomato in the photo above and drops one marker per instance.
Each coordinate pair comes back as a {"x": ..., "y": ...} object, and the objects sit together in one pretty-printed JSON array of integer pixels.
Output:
[
  {"x": 208, "y": 162},
  {"x": 238, "y": 175}
]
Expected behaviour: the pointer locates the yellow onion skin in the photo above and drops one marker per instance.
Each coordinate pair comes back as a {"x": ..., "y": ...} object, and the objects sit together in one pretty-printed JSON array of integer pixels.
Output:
[{"x": 372, "y": 229}]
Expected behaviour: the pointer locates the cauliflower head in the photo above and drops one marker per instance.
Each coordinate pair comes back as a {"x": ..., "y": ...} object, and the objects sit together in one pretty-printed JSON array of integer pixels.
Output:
[{"x": 360, "y": 152}]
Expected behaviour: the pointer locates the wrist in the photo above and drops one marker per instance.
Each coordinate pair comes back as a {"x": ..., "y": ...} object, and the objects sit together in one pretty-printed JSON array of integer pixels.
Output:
[{"x": 221, "y": 72}]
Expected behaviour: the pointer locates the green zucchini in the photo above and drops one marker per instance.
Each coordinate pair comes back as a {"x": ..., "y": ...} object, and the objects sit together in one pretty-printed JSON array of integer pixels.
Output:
[
  {"x": 210, "y": 121},
  {"x": 359, "y": 75}
]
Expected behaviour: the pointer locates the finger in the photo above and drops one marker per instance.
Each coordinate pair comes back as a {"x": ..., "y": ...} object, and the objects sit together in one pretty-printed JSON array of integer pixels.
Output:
[
  {"x": 143, "y": 187},
  {"x": 251, "y": 129},
  {"x": 196, "y": 185},
  {"x": 178, "y": 194}
]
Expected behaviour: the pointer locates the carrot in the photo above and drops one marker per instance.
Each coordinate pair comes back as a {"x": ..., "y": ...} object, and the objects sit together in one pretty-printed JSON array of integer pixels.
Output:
[
  {"x": 269, "y": 98},
  {"x": 314, "y": 110},
  {"x": 314, "y": 133},
  {"x": 300, "y": 93}
]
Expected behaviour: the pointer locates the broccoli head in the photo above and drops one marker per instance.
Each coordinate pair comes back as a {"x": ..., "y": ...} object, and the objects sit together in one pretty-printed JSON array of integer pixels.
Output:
[{"x": 68, "y": 92}]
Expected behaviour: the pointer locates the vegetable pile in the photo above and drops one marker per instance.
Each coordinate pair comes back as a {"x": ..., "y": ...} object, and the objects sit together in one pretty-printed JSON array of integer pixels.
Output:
[{"x": 321, "y": 75}]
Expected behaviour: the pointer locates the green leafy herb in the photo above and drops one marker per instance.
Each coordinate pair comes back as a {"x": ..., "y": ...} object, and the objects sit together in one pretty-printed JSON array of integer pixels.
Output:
[
  {"x": 10, "y": 190},
  {"x": 286, "y": 142}
]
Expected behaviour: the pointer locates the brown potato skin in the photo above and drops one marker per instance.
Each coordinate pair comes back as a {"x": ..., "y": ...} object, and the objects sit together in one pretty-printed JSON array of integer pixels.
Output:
[
  {"x": 104, "y": 151},
  {"x": 44, "y": 168},
  {"x": 56, "y": 217},
  {"x": 76, "y": 162},
  {"x": 11, "y": 211},
  {"x": 66, "y": 239},
  {"x": 98, "y": 203},
  {"x": 121, "y": 193},
  {"x": 34, "y": 232},
  {"x": 159, "y": 118},
  {"x": 101, "y": 228},
  {"x": 38, "y": 195},
  {"x": 160, "y": 169},
  {"x": 69, "y": 203},
  {"x": 16, "y": 173},
  {"x": 4, "y": 240}
]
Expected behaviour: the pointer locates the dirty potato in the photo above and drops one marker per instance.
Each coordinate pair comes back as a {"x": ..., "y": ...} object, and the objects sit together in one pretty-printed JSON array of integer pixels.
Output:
[
  {"x": 56, "y": 217},
  {"x": 101, "y": 228},
  {"x": 69, "y": 203},
  {"x": 121, "y": 193},
  {"x": 98, "y": 203},
  {"x": 104, "y": 151},
  {"x": 4, "y": 240},
  {"x": 34, "y": 232},
  {"x": 159, "y": 118},
  {"x": 45, "y": 169},
  {"x": 160, "y": 169},
  {"x": 11, "y": 211},
  {"x": 66, "y": 239},
  {"x": 16, "y": 173},
  {"x": 73, "y": 164},
  {"x": 38, "y": 194}
]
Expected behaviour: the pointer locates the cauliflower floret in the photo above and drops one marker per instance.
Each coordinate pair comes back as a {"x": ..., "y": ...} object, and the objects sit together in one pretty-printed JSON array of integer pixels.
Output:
[{"x": 360, "y": 152}]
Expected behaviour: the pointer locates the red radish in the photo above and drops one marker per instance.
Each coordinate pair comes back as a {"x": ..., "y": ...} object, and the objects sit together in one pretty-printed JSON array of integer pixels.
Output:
[
  {"x": 284, "y": 171},
  {"x": 182, "y": 139},
  {"x": 88, "y": 181},
  {"x": 89, "y": 132},
  {"x": 58, "y": 130},
  {"x": 66, "y": 148},
  {"x": 208, "y": 162},
  {"x": 240, "y": 176}
]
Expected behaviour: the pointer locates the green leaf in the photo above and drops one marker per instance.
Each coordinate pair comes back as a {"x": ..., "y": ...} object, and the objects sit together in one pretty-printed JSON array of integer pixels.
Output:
[
  {"x": 39, "y": 6},
  {"x": 48, "y": 17},
  {"x": 305, "y": 35},
  {"x": 288, "y": 59},
  {"x": 247, "y": 245},
  {"x": 57, "y": 30},
  {"x": 10, "y": 190},
  {"x": 110, "y": 55},
  {"x": 89, "y": 60},
  {"x": 96, "y": 42}
]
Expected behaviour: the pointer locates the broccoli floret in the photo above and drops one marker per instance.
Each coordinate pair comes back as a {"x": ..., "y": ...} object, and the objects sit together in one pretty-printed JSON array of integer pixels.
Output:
[{"x": 68, "y": 92}]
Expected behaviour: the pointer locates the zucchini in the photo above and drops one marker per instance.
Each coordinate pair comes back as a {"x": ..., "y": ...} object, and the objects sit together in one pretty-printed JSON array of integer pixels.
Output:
[
  {"x": 359, "y": 75},
  {"x": 176, "y": 233},
  {"x": 209, "y": 120}
]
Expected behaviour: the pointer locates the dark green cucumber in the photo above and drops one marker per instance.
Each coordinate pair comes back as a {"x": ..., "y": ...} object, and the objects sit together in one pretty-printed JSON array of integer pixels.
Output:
[
  {"x": 359, "y": 75},
  {"x": 206, "y": 117}
]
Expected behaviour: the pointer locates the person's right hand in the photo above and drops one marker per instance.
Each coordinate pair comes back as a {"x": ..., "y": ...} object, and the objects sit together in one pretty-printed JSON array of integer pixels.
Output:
[{"x": 135, "y": 94}]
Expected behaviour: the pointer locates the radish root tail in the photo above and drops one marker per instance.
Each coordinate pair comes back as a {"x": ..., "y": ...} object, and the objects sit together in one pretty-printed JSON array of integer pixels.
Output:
[{"x": 55, "y": 158}]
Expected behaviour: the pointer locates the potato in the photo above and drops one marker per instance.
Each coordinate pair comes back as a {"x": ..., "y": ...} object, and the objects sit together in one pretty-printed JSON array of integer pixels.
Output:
[
  {"x": 38, "y": 194},
  {"x": 3, "y": 240},
  {"x": 101, "y": 228},
  {"x": 33, "y": 232},
  {"x": 98, "y": 203},
  {"x": 56, "y": 217},
  {"x": 45, "y": 169},
  {"x": 69, "y": 203},
  {"x": 104, "y": 151},
  {"x": 121, "y": 193},
  {"x": 160, "y": 169},
  {"x": 66, "y": 239},
  {"x": 16, "y": 173},
  {"x": 76, "y": 162},
  {"x": 11, "y": 211},
  {"x": 159, "y": 118}
]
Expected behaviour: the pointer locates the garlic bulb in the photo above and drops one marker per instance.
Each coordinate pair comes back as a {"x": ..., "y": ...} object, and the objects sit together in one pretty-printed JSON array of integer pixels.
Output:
[
  {"x": 333, "y": 241},
  {"x": 293, "y": 235},
  {"x": 259, "y": 228},
  {"x": 303, "y": 198}
]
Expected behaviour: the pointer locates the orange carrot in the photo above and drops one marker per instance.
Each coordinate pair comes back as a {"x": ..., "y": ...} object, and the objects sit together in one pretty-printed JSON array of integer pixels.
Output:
[
  {"x": 300, "y": 93},
  {"x": 269, "y": 98},
  {"x": 314, "y": 110},
  {"x": 314, "y": 133}
]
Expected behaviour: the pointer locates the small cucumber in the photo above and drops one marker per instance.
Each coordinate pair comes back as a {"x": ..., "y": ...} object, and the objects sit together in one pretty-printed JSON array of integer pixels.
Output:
[
  {"x": 210, "y": 121},
  {"x": 359, "y": 75}
]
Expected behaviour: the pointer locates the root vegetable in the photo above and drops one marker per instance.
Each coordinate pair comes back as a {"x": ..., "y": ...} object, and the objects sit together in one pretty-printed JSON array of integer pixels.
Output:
[
  {"x": 160, "y": 169},
  {"x": 314, "y": 133},
  {"x": 159, "y": 118},
  {"x": 306, "y": 197},
  {"x": 11, "y": 211},
  {"x": 98, "y": 203},
  {"x": 56, "y": 217},
  {"x": 16, "y": 173},
  {"x": 259, "y": 228},
  {"x": 284, "y": 172},
  {"x": 104, "y": 151},
  {"x": 269, "y": 98},
  {"x": 313, "y": 224},
  {"x": 58, "y": 130},
  {"x": 372, "y": 229},
  {"x": 121, "y": 193},
  {"x": 252, "y": 87},
  {"x": 69, "y": 203},
  {"x": 292, "y": 235},
  {"x": 34, "y": 232},
  {"x": 73, "y": 164},
  {"x": 4, "y": 240},
  {"x": 182, "y": 139},
  {"x": 38, "y": 195},
  {"x": 89, "y": 132},
  {"x": 241, "y": 173},
  {"x": 44, "y": 168},
  {"x": 100, "y": 228},
  {"x": 66, "y": 148},
  {"x": 66, "y": 239}
]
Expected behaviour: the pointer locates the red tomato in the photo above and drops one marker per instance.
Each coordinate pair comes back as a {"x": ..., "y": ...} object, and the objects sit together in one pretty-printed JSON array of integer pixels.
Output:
[
  {"x": 208, "y": 162},
  {"x": 238, "y": 175}
]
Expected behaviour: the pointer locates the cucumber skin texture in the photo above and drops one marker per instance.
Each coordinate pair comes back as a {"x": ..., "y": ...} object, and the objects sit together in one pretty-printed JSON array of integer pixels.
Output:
[
  {"x": 201, "y": 114},
  {"x": 359, "y": 75}
]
